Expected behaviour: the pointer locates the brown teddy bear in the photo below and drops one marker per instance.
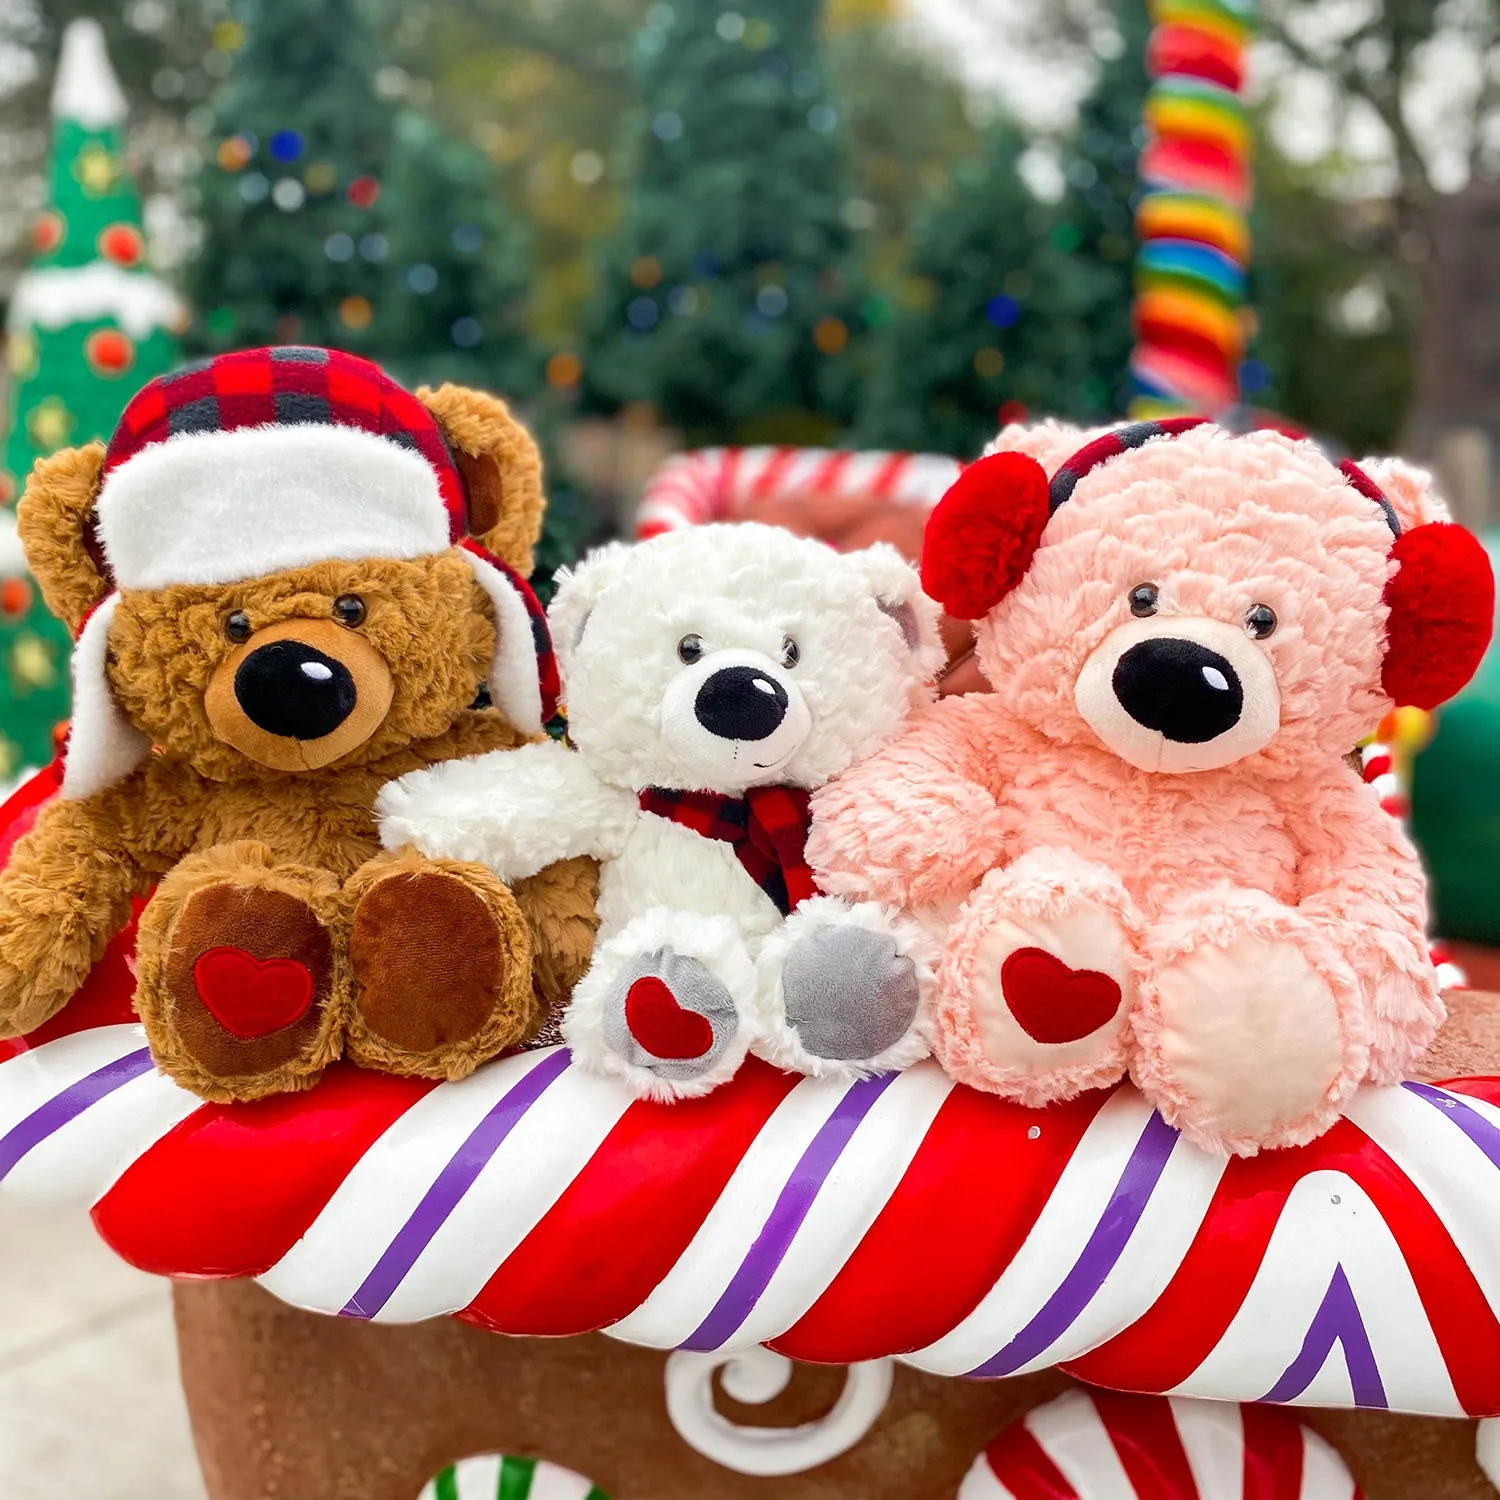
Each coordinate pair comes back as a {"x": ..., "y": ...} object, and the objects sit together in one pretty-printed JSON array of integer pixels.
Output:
[{"x": 276, "y": 614}]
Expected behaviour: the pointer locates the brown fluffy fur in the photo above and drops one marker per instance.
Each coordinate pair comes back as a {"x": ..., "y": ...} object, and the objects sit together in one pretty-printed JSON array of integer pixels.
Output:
[
  {"x": 69, "y": 883},
  {"x": 501, "y": 466}
]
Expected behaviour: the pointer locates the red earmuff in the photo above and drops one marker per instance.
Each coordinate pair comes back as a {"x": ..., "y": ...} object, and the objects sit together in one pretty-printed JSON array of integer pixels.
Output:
[
  {"x": 1442, "y": 614},
  {"x": 981, "y": 535}
]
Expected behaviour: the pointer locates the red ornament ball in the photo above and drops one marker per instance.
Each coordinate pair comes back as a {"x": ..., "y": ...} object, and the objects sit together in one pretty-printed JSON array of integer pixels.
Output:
[
  {"x": 15, "y": 598},
  {"x": 109, "y": 351},
  {"x": 363, "y": 192},
  {"x": 123, "y": 244},
  {"x": 47, "y": 231}
]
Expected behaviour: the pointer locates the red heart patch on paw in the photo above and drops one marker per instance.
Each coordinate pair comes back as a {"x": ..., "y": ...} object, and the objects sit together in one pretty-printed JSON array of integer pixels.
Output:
[
  {"x": 1052, "y": 1002},
  {"x": 661, "y": 1025},
  {"x": 252, "y": 997}
]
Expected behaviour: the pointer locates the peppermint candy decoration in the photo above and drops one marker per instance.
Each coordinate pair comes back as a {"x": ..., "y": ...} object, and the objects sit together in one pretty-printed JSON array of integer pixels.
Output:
[
  {"x": 536, "y": 1198},
  {"x": 720, "y": 484},
  {"x": 495, "y": 1477},
  {"x": 1086, "y": 1445}
]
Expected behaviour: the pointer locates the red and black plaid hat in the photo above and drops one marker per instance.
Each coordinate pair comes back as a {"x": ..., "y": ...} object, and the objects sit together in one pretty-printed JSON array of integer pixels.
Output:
[{"x": 281, "y": 387}]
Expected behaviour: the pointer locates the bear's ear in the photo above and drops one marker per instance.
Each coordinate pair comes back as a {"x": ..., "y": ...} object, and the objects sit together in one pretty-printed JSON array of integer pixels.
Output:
[
  {"x": 57, "y": 526},
  {"x": 501, "y": 468},
  {"x": 981, "y": 535},
  {"x": 578, "y": 590},
  {"x": 1441, "y": 597},
  {"x": 898, "y": 591}
]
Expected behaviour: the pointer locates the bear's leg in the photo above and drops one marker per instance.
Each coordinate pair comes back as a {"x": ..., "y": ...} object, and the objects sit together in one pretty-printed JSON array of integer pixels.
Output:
[
  {"x": 1037, "y": 983},
  {"x": 842, "y": 989},
  {"x": 667, "y": 1004},
  {"x": 442, "y": 966},
  {"x": 241, "y": 981},
  {"x": 1250, "y": 1030}
]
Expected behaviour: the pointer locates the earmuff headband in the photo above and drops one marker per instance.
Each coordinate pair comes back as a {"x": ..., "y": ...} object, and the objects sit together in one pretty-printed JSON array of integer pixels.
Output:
[{"x": 1138, "y": 434}]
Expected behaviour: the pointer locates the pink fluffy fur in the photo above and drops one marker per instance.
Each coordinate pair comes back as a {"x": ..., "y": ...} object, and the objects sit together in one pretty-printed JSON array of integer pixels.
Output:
[{"x": 1282, "y": 855}]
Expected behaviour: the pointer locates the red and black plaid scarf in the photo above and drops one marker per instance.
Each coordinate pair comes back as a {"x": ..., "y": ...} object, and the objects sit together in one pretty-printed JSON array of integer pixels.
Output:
[{"x": 767, "y": 828}]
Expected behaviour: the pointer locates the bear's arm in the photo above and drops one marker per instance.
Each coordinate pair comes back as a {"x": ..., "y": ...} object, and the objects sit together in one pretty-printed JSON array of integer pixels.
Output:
[
  {"x": 67, "y": 887},
  {"x": 917, "y": 822},
  {"x": 1359, "y": 877},
  {"x": 516, "y": 811}
]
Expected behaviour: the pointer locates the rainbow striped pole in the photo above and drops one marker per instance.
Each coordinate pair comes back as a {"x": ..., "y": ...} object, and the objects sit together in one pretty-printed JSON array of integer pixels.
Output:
[{"x": 1191, "y": 225}]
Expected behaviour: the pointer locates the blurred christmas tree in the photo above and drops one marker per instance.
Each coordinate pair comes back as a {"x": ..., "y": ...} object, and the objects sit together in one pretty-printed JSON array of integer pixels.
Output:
[
  {"x": 731, "y": 297},
  {"x": 88, "y": 324},
  {"x": 1095, "y": 225},
  {"x": 333, "y": 216},
  {"x": 991, "y": 321}
]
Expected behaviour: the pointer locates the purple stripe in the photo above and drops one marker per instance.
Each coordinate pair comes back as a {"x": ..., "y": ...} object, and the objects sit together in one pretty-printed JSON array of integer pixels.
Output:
[
  {"x": 792, "y": 1207},
  {"x": 1105, "y": 1246},
  {"x": 1469, "y": 1120},
  {"x": 1337, "y": 1320},
  {"x": 452, "y": 1183},
  {"x": 50, "y": 1117}
]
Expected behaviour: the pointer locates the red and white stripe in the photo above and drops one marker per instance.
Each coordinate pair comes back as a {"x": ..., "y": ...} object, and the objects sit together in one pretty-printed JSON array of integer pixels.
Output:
[
  {"x": 719, "y": 484},
  {"x": 898, "y": 1217},
  {"x": 1098, "y": 1445}
]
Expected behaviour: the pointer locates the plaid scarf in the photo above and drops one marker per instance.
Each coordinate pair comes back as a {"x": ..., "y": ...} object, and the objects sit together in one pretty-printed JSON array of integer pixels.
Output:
[{"x": 767, "y": 829}]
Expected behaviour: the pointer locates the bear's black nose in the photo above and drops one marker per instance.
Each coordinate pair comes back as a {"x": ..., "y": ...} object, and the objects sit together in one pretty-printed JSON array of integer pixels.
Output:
[
  {"x": 291, "y": 690},
  {"x": 1179, "y": 688},
  {"x": 741, "y": 703}
]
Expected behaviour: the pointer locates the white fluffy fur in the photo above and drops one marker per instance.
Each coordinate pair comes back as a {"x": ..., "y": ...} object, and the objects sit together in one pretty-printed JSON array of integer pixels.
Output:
[
  {"x": 514, "y": 810},
  {"x": 514, "y": 687},
  {"x": 12, "y": 554},
  {"x": 777, "y": 1042},
  {"x": 103, "y": 745},
  {"x": 716, "y": 943},
  {"x": 617, "y": 621},
  {"x": 220, "y": 507}
]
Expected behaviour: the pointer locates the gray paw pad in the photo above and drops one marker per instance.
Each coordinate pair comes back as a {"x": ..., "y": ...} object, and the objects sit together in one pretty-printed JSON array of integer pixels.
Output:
[
  {"x": 668, "y": 1014},
  {"x": 849, "y": 994}
]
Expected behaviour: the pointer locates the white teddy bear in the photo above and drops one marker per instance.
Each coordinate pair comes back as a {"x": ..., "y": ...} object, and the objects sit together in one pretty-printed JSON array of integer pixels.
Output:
[{"x": 714, "y": 678}]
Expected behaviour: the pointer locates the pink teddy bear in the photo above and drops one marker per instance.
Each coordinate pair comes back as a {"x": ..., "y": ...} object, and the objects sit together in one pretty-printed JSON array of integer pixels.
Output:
[{"x": 1147, "y": 848}]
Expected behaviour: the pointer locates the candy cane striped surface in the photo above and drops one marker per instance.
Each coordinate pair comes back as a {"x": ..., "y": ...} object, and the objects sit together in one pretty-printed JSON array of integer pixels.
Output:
[
  {"x": 491, "y": 1477},
  {"x": 899, "y": 1217},
  {"x": 1097, "y": 1445},
  {"x": 718, "y": 484}
]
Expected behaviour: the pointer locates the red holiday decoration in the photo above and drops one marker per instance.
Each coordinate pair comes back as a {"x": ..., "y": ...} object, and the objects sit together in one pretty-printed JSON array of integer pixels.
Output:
[
  {"x": 123, "y": 244},
  {"x": 109, "y": 351}
]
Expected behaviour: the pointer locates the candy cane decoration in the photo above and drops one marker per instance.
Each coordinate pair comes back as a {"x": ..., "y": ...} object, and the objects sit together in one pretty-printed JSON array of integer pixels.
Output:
[
  {"x": 720, "y": 484},
  {"x": 1385, "y": 764},
  {"x": 493, "y": 1477},
  {"x": 1095, "y": 1443},
  {"x": 899, "y": 1216},
  {"x": 1191, "y": 224}
]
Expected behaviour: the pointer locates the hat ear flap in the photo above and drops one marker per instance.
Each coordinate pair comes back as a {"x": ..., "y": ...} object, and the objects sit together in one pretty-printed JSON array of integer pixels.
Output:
[
  {"x": 523, "y": 672},
  {"x": 103, "y": 745},
  {"x": 1442, "y": 614},
  {"x": 981, "y": 535}
]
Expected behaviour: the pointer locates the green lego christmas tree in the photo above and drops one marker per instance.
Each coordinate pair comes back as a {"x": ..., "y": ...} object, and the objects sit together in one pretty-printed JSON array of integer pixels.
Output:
[
  {"x": 731, "y": 299},
  {"x": 88, "y": 324}
]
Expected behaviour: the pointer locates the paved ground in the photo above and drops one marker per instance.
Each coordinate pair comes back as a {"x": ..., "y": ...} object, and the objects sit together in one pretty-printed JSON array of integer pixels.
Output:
[{"x": 89, "y": 1403}]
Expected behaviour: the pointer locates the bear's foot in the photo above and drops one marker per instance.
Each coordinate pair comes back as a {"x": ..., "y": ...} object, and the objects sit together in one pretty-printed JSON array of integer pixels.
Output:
[
  {"x": 441, "y": 958},
  {"x": 1250, "y": 1031},
  {"x": 241, "y": 984},
  {"x": 1038, "y": 981},
  {"x": 842, "y": 990},
  {"x": 666, "y": 1005}
]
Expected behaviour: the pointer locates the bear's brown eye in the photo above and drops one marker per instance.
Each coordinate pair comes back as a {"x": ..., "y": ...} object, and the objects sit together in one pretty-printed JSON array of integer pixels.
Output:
[
  {"x": 690, "y": 649},
  {"x": 349, "y": 609},
  {"x": 1143, "y": 599},
  {"x": 237, "y": 627},
  {"x": 791, "y": 653},
  {"x": 1261, "y": 621}
]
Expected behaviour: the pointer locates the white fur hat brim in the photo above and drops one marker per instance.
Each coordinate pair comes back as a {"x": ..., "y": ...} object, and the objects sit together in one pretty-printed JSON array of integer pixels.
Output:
[{"x": 103, "y": 745}]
